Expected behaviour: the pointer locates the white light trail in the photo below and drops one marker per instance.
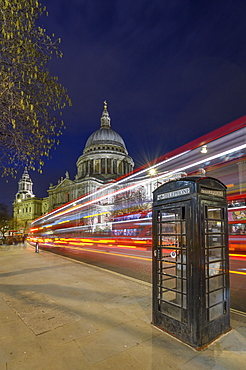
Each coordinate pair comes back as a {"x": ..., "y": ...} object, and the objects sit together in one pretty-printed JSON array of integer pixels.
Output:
[
  {"x": 63, "y": 211},
  {"x": 180, "y": 169},
  {"x": 125, "y": 179}
]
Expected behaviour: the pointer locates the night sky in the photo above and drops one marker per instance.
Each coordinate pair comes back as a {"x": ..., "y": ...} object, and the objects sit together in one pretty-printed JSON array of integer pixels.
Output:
[{"x": 171, "y": 71}]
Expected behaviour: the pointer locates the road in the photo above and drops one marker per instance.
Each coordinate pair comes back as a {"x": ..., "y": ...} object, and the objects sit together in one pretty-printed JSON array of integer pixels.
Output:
[{"x": 137, "y": 263}]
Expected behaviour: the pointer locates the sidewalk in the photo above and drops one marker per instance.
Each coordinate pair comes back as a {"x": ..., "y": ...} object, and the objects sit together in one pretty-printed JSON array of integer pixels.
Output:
[{"x": 59, "y": 314}]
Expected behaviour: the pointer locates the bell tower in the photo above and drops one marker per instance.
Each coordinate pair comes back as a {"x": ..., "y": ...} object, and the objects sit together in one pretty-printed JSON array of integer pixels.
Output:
[{"x": 25, "y": 187}]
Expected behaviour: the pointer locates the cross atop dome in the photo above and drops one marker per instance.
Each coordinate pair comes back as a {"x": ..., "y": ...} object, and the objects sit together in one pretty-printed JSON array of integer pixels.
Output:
[{"x": 105, "y": 119}]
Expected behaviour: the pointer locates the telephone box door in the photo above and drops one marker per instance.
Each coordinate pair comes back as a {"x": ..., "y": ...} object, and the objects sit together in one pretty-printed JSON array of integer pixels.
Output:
[{"x": 171, "y": 244}]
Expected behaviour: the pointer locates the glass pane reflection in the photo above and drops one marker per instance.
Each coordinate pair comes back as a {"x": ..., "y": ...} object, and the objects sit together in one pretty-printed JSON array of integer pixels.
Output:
[{"x": 214, "y": 213}]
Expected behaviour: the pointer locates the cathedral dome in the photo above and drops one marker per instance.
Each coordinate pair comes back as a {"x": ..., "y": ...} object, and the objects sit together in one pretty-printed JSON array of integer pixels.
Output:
[
  {"x": 105, "y": 135},
  {"x": 105, "y": 156}
]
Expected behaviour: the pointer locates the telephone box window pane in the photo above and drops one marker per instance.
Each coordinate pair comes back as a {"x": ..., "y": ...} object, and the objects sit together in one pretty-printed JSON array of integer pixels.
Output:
[
  {"x": 183, "y": 241},
  {"x": 216, "y": 311},
  {"x": 169, "y": 296},
  {"x": 173, "y": 242},
  {"x": 174, "y": 284},
  {"x": 214, "y": 268},
  {"x": 172, "y": 297},
  {"x": 165, "y": 254},
  {"x": 184, "y": 301},
  {"x": 169, "y": 255},
  {"x": 168, "y": 269},
  {"x": 177, "y": 228},
  {"x": 213, "y": 226},
  {"x": 168, "y": 228},
  {"x": 171, "y": 310},
  {"x": 216, "y": 297},
  {"x": 214, "y": 282},
  {"x": 170, "y": 283},
  {"x": 169, "y": 241},
  {"x": 170, "y": 216},
  {"x": 182, "y": 262},
  {"x": 215, "y": 253},
  {"x": 215, "y": 240},
  {"x": 184, "y": 290},
  {"x": 214, "y": 213},
  {"x": 180, "y": 287},
  {"x": 171, "y": 228}
]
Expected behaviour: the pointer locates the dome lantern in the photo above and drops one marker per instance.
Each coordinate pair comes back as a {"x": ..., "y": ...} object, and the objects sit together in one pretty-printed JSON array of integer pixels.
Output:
[{"x": 105, "y": 119}]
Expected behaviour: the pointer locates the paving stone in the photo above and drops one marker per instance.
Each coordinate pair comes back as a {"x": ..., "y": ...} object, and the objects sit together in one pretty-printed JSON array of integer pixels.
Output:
[
  {"x": 67, "y": 356},
  {"x": 141, "y": 330},
  {"x": 17, "y": 347},
  {"x": 119, "y": 361},
  {"x": 162, "y": 352},
  {"x": 67, "y": 333},
  {"x": 216, "y": 360},
  {"x": 107, "y": 343},
  {"x": 39, "y": 312}
]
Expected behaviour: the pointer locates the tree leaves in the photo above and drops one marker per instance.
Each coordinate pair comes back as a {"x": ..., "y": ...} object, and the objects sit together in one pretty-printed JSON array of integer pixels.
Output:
[{"x": 31, "y": 99}]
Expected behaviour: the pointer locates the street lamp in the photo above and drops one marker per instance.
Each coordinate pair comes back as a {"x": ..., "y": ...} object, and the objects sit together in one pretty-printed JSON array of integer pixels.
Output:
[
  {"x": 204, "y": 149},
  {"x": 152, "y": 172}
]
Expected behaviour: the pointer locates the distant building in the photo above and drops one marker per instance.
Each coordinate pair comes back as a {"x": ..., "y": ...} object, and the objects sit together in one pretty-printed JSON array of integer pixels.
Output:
[
  {"x": 27, "y": 207},
  {"x": 104, "y": 159}
]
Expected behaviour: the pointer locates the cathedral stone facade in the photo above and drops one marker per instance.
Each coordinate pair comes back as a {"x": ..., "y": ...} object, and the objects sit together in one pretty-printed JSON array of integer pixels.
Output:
[{"x": 104, "y": 159}]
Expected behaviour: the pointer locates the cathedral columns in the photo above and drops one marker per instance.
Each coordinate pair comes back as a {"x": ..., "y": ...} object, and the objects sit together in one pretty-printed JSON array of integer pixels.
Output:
[{"x": 104, "y": 166}]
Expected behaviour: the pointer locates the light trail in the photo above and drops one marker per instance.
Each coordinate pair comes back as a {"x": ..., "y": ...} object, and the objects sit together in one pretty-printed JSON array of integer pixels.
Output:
[
  {"x": 125, "y": 179},
  {"x": 133, "y": 186},
  {"x": 104, "y": 252},
  {"x": 126, "y": 255},
  {"x": 237, "y": 255},
  {"x": 237, "y": 272}
]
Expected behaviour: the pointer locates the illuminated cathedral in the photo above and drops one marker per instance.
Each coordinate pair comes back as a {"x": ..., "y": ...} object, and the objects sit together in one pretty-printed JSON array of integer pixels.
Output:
[{"x": 103, "y": 159}]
